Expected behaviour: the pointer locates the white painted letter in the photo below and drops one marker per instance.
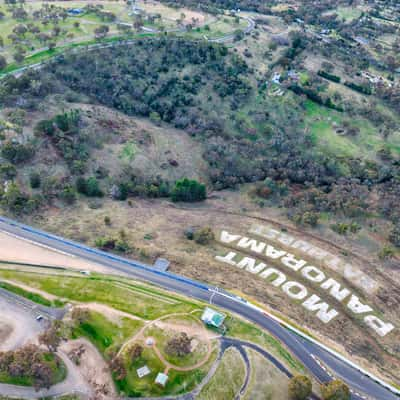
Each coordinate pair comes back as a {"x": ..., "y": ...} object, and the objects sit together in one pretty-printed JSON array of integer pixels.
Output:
[
  {"x": 226, "y": 237},
  {"x": 292, "y": 263},
  {"x": 335, "y": 289},
  {"x": 300, "y": 290},
  {"x": 313, "y": 274},
  {"x": 228, "y": 259},
  {"x": 356, "y": 306},
  {"x": 301, "y": 245},
  {"x": 273, "y": 253},
  {"x": 254, "y": 245},
  {"x": 286, "y": 239},
  {"x": 380, "y": 327},
  {"x": 281, "y": 277},
  {"x": 311, "y": 304},
  {"x": 250, "y": 265}
]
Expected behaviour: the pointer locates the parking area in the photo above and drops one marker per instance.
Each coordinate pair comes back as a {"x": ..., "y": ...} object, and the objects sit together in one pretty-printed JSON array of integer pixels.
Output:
[{"x": 19, "y": 322}]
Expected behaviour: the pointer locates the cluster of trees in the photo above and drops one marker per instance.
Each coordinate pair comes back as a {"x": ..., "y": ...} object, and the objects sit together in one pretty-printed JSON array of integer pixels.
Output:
[
  {"x": 300, "y": 388},
  {"x": 30, "y": 364},
  {"x": 179, "y": 345},
  {"x": 188, "y": 190}
]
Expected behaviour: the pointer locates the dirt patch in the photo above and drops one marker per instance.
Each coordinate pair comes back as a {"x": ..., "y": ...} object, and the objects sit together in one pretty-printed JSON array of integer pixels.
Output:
[{"x": 92, "y": 367}]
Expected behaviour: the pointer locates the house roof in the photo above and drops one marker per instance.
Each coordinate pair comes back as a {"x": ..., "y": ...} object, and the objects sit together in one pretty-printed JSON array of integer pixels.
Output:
[{"x": 212, "y": 317}]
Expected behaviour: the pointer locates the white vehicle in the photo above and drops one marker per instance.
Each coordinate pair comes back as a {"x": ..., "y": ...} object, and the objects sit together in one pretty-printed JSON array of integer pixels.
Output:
[{"x": 39, "y": 317}]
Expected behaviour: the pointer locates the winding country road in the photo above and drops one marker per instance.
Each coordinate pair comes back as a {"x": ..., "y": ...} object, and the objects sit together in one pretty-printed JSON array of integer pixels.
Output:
[{"x": 304, "y": 350}]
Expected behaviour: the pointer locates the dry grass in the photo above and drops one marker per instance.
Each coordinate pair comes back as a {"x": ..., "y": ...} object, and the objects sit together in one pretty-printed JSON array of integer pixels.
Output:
[{"x": 266, "y": 381}]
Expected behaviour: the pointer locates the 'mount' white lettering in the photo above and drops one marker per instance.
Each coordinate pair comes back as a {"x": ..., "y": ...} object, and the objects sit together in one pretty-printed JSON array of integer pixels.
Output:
[{"x": 294, "y": 290}]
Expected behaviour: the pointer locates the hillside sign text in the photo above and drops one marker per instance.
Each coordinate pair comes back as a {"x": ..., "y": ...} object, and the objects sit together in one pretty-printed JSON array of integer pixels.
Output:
[{"x": 296, "y": 290}]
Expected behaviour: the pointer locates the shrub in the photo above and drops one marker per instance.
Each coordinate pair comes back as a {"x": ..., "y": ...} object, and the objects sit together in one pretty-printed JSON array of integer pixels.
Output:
[
  {"x": 34, "y": 180},
  {"x": 16, "y": 152},
  {"x": 300, "y": 388},
  {"x": 335, "y": 390},
  {"x": 204, "y": 236},
  {"x": 68, "y": 194},
  {"x": 394, "y": 235},
  {"x": 89, "y": 187},
  {"x": 188, "y": 190},
  {"x": 327, "y": 75}
]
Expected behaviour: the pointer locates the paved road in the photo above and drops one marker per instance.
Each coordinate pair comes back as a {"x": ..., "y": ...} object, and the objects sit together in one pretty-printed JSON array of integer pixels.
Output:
[{"x": 302, "y": 349}]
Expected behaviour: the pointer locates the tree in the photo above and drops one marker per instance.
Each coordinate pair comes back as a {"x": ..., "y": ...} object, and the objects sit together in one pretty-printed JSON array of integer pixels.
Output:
[
  {"x": 188, "y": 190},
  {"x": 42, "y": 375},
  {"x": 3, "y": 62},
  {"x": 101, "y": 31},
  {"x": 34, "y": 180},
  {"x": 68, "y": 194},
  {"x": 19, "y": 56},
  {"x": 89, "y": 187},
  {"x": 51, "y": 338},
  {"x": 394, "y": 235},
  {"x": 16, "y": 152},
  {"x": 300, "y": 387},
  {"x": 80, "y": 315},
  {"x": 20, "y": 30},
  {"x": 135, "y": 352},
  {"x": 335, "y": 390},
  {"x": 179, "y": 345},
  {"x": 118, "y": 368}
]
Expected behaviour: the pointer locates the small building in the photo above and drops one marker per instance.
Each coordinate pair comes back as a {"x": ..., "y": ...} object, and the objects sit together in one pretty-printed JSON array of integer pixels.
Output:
[
  {"x": 212, "y": 317},
  {"x": 161, "y": 264},
  {"x": 161, "y": 379},
  {"x": 143, "y": 371}
]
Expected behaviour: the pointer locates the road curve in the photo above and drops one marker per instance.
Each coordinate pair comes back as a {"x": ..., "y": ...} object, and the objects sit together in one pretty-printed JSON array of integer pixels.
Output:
[{"x": 305, "y": 351}]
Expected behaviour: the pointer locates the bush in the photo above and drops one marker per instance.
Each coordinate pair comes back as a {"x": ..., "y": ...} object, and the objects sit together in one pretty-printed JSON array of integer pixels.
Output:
[
  {"x": 203, "y": 236},
  {"x": 335, "y": 390},
  {"x": 34, "y": 180},
  {"x": 68, "y": 194},
  {"x": 364, "y": 89},
  {"x": 327, "y": 75},
  {"x": 188, "y": 190},
  {"x": 89, "y": 187},
  {"x": 394, "y": 235},
  {"x": 44, "y": 127},
  {"x": 300, "y": 388},
  {"x": 16, "y": 152}
]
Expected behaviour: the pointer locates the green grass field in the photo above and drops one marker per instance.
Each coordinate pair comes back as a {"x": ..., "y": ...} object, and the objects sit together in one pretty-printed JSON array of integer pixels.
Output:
[
  {"x": 107, "y": 336},
  {"x": 320, "y": 122}
]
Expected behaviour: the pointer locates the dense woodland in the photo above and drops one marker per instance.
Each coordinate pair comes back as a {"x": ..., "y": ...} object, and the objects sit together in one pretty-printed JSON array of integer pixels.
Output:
[{"x": 212, "y": 94}]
